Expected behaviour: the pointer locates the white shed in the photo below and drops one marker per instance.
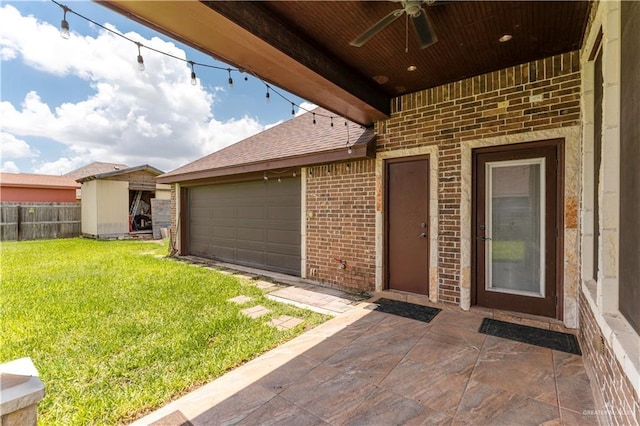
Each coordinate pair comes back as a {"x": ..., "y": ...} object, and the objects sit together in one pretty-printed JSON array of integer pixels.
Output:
[{"x": 125, "y": 203}]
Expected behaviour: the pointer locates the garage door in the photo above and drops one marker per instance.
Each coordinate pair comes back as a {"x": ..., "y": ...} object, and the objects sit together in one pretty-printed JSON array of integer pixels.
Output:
[{"x": 254, "y": 223}]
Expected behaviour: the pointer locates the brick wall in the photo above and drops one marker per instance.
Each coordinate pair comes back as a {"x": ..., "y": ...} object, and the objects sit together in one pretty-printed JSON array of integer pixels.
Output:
[
  {"x": 341, "y": 224},
  {"x": 621, "y": 403},
  {"x": 490, "y": 105}
]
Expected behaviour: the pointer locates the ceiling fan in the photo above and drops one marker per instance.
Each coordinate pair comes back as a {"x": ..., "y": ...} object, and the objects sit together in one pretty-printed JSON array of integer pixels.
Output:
[{"x": 414, "y": 10}]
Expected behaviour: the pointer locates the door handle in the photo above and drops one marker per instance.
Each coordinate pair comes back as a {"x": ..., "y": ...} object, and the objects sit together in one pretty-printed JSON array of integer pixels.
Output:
[
  {"x": 484, "y": 238},
  {"x": 422, "y": 235}
]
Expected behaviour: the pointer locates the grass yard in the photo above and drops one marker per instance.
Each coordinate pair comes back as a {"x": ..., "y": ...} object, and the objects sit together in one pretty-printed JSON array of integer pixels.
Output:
[{"x": 116, "y": 331}]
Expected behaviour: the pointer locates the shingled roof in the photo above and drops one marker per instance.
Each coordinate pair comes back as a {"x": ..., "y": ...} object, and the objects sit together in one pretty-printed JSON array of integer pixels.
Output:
[
  {"x": 95, "y": 168},
  {"x": 293, "y": 143},
  {"x": 111, "y": 173},
  {"x": 30, "y": 180}
]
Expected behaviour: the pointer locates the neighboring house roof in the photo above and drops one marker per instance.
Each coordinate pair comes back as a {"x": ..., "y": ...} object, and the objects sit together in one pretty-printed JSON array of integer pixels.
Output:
[
  {"x": 293, "y": 143},
  {"x": 144, "y": 167},
  {"x": 28, "y": 180},
  {"x": 95, "y": 168}
]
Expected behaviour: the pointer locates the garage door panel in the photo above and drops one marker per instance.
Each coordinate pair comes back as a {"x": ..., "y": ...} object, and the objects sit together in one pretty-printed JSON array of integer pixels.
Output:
[
  {"x": 223, "y": 212},
  {"x": 281, "y": 249},
  {"x": 252, "y": 257},
  {"x": 220, "y": 252},
  {"x": 283, "y": 263},
  {"x": 247, "y": 201},
  {"x": 282, "y": 225},
  {"x": 284, "y": 213},
  {"x": 250, "y": 223},
  {"x": 286, "y": 237},
  {"x": 251, "y": 234},
  {"x": 250, "y": 245},
  {"x": 286, "y": 187}
]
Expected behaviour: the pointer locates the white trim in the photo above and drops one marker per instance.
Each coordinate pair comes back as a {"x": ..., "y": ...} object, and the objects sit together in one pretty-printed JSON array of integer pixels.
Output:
[
  {"x": 621, "y": 337},
  {"x": 489, "y": 224},
  {"x": 602, "y": 295},
  {"x": 303, "y": 222},
  {"x": 432, "y": 152}
]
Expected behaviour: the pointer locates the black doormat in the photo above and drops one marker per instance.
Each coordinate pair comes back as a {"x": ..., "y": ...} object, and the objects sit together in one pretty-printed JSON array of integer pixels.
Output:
[
  {"x": 406, "y": 310},
  {"x": 534, "y": 336}
]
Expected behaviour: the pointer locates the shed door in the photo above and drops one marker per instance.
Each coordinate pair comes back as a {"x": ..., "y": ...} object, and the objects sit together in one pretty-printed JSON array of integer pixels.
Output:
[{"x": 254, "y": 224}]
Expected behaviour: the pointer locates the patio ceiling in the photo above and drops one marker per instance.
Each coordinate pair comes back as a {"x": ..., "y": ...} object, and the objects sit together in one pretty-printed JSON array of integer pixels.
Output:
[{"x": 303, "y": 46}]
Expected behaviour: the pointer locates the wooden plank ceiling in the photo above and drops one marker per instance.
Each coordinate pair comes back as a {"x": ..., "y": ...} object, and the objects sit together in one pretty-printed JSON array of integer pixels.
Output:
[{"x": 303, "y": 46}]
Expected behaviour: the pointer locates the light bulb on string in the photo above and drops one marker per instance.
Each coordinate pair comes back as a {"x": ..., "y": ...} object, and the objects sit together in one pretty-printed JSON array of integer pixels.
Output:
[
  {"x": 230, "y": 79},
  {"x": 349, "y": 150},
  {"x": 194, "y": 80},
  {"x": 348, "y": 166},
  {"x": 64, "y": 25},
  {"x": 65, "y": 33},
  {"x": 140, "y": 60},
  {"x": 294, "y": 174}
]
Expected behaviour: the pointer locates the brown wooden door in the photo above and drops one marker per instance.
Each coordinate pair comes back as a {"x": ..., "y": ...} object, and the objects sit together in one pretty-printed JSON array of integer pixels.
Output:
[
  {"x": 407, "y": 209},
  {"x": 516, "y": 226}
]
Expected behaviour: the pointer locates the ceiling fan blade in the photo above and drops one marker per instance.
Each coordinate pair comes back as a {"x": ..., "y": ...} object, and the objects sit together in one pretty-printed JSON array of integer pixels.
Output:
[
  {"x": 424, "y": 30},
  {"x": 376, "y": 28}
]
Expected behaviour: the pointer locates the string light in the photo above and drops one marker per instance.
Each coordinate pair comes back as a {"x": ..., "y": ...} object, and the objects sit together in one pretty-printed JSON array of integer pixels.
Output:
[
  {"x": 140, "y": 60},
  {"x": 314, "y": 118},
  {"x": 265, "y": 177},
  {"x": 64, "y": 25},
  {"x": 348, "y": 166},
  {"x": 279, "y": 180},
  {"x": 65, "y": 33},
  {"x": 349, "y": 151},
  {"x": 294, "y": 174},
  {"x": 194, "y": 80}
]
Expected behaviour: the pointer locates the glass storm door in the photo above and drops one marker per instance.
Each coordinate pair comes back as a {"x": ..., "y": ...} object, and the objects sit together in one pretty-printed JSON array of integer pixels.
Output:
[{"x": 515, "y": 229}]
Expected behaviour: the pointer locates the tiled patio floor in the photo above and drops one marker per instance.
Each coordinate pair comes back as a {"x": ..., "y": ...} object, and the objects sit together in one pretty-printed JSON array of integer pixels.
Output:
[{"x": 369, "y": 368}]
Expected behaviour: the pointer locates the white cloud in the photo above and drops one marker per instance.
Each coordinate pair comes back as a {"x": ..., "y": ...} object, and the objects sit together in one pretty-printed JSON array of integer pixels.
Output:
[
  {"x": 9, "y": 167},
  {"x": 305, "y": 107},
  {"x": 12, "y": 147},
  {"x": 153, "y": 117},
  {"x": 60, "y": 166}
]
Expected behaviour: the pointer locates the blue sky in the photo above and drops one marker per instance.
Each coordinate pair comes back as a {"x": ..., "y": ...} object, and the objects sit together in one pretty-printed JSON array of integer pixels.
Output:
[{"x": 66, "y": 103}]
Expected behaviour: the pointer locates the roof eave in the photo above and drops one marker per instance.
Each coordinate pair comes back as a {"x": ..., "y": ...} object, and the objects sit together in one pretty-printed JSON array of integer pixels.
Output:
[{"x": 358, "y": 152}]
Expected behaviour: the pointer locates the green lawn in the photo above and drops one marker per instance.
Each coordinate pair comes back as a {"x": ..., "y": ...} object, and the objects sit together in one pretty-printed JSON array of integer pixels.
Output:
[{"x": 116, "y": 331}]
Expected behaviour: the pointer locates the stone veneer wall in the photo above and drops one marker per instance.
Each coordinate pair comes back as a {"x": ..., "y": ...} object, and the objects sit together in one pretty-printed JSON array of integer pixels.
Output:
[
  {"x": 532, "y": 98},
  {"x": 340, "y": 224},
  {"x": 620, "y": 405}
]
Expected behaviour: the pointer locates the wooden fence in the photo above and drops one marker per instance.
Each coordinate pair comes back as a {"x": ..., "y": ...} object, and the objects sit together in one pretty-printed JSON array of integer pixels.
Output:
[{"x": 39, "y": 221}]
